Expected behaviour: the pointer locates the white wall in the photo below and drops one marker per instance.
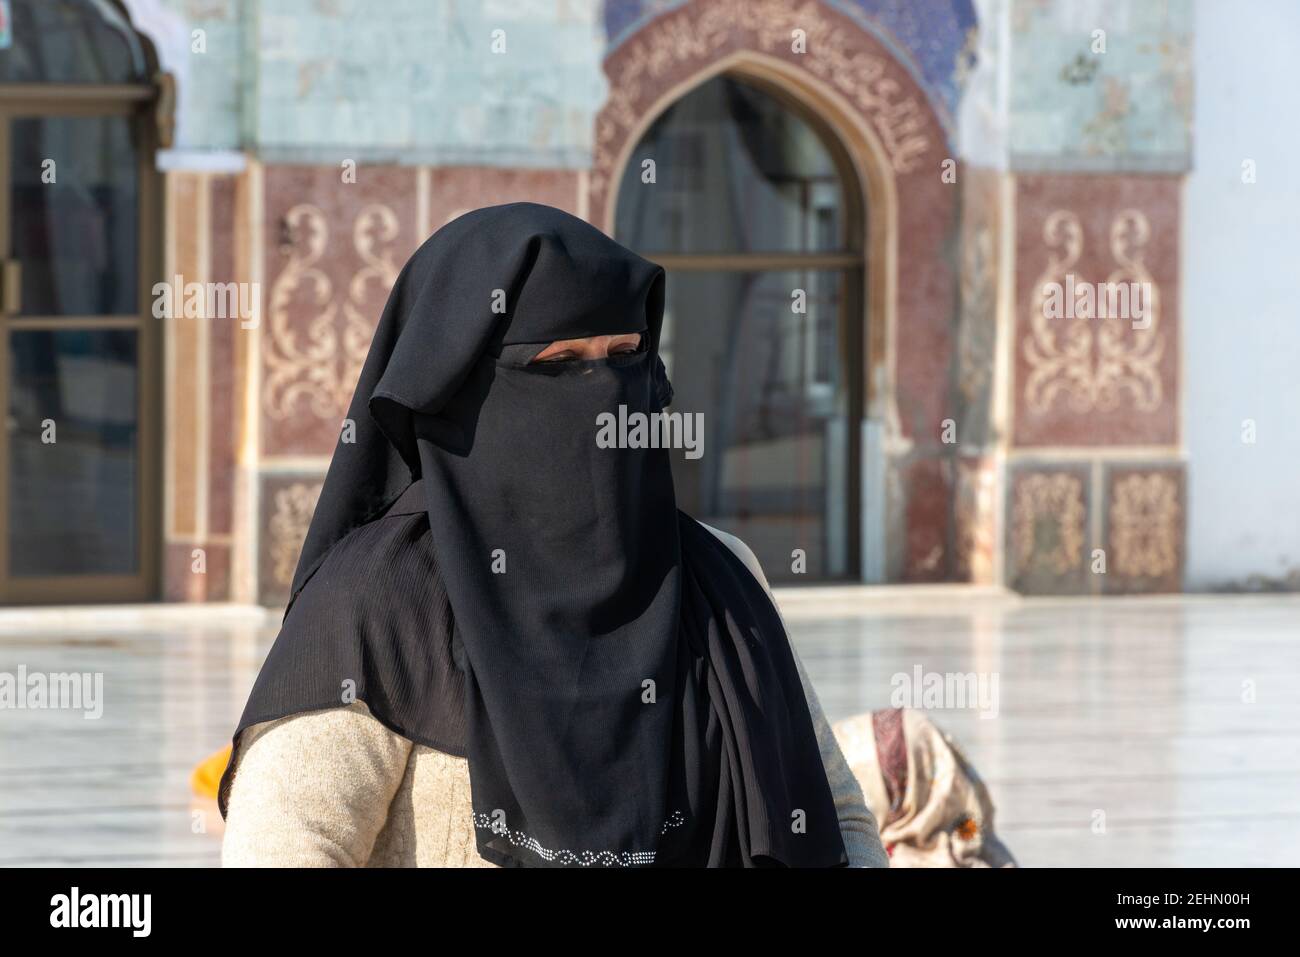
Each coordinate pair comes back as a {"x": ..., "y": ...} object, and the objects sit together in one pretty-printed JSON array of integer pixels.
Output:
[{"x": 1241, "y": 297}]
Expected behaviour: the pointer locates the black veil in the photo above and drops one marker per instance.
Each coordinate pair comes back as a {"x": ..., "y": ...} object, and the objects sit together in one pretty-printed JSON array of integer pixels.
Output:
[{"x": 495, "y": 584}]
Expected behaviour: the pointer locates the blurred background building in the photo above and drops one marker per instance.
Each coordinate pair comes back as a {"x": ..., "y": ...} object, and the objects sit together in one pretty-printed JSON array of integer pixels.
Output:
[{"x": 860, "y": 204}]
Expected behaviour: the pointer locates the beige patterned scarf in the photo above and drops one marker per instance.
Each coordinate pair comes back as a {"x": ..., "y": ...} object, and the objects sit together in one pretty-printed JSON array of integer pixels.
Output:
[{"x": 932, "y": 807}]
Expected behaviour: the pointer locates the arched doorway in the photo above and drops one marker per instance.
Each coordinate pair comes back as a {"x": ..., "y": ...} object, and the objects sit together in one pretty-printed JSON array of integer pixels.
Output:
[
  {"x": 78, "y": 348},
  {"x": 751, "y": 204}
]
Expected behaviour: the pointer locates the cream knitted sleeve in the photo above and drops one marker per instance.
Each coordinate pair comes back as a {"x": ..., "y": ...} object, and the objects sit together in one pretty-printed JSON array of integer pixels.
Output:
[
  {"x": 312, "y": 790},
  {"x": 857, "y": 824}
]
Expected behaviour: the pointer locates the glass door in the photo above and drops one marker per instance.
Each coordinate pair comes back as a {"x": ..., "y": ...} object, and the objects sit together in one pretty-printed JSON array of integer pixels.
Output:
[
  {"x": 77, "y": 451},
  {"x": 754, "y": 212}
]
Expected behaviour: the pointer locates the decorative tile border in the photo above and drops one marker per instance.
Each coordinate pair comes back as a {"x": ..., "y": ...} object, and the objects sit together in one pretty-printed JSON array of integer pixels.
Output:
[
  {"x": 692, "y": 39},
  {"x": 936, "y": 37}
]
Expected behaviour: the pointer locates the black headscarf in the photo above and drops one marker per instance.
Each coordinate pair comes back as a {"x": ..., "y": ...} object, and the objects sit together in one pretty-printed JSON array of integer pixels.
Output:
[{"x": 620, "y": 683}]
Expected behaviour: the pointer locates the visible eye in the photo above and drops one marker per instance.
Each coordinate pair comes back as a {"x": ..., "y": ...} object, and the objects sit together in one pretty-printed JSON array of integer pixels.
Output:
[
  {"x": 626, "y": 346},
  {"x": 562, "y": 351},
  {"x": 566, "y": 356}
]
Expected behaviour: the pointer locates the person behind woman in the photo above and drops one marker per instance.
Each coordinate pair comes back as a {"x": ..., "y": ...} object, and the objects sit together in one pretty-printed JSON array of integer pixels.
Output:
[
  {"x": 504, "y": 644},
  {"x": 932, "y": 806}
]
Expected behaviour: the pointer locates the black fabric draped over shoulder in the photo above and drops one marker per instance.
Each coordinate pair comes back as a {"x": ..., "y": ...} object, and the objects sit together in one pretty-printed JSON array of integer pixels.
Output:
[{"x": 379, "y": 603}]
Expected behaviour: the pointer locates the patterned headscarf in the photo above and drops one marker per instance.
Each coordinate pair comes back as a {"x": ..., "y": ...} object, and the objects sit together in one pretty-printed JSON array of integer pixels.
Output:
[{"x": 932, "y": 807}]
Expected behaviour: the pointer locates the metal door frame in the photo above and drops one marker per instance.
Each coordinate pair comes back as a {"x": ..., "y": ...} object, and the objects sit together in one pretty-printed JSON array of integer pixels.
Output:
[{"x": 91, "y": 100}]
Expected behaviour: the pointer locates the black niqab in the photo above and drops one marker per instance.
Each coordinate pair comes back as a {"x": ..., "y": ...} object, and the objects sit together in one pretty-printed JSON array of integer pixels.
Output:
[{"x": 620, "y": 683}]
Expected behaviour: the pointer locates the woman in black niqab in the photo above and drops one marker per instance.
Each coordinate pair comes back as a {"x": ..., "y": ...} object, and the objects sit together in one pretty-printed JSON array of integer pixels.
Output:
[{"x": 620, "y": 683}]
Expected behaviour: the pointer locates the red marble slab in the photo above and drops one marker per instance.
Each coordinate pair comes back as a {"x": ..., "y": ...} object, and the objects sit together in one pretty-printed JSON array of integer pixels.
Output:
[
  {"x": 1087, "y": 381},
  {"x": 333, "y": 250}
]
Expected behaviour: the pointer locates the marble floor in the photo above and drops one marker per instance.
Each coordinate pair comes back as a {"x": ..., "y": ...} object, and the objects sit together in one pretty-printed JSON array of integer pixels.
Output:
[{"x": 1173, "y": 720}]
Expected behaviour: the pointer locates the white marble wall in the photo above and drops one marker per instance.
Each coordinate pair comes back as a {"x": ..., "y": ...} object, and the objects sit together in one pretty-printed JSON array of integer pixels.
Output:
[{"x": 1241, "y": 300}]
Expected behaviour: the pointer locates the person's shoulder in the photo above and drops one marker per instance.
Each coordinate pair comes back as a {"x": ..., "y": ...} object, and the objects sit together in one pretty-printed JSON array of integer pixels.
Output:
[
  {"x": 740, "y": 550},
  {"x": 734, "y": 543}
]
